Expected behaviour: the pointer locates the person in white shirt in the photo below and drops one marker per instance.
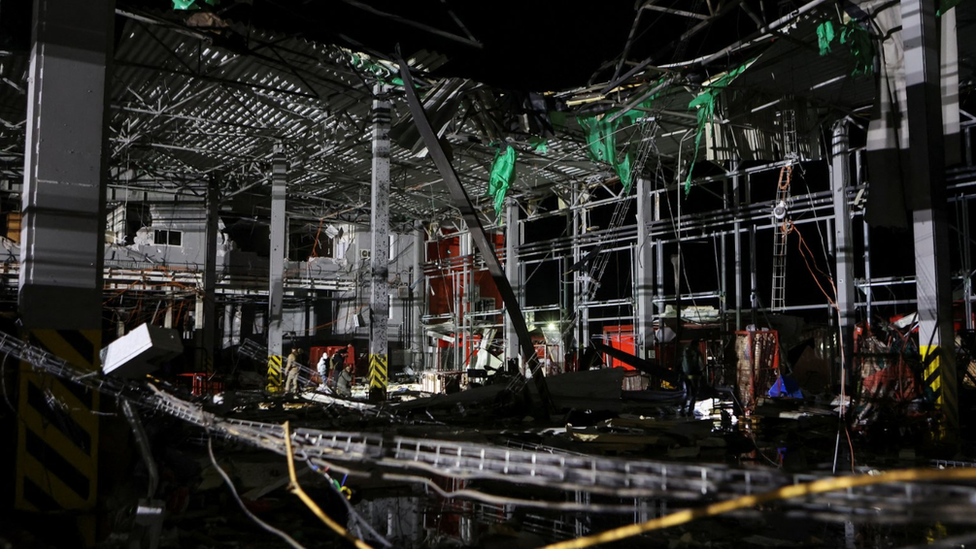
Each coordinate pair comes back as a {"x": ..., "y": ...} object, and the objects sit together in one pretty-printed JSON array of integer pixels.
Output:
[{"x": 323, "y": 368}]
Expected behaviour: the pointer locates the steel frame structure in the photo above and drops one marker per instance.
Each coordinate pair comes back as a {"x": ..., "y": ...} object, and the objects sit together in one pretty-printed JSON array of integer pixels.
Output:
[{"x": 740, "y": 217}]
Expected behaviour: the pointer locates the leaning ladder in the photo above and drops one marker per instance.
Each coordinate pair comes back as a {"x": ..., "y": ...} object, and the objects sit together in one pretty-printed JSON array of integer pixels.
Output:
[{"x": 781, "y": 218}]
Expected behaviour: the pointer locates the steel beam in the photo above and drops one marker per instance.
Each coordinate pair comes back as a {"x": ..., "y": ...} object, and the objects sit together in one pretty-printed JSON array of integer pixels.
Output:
[
  {"x": 485, "y": 246},
  {"x": 418, "y": 296},
  {"x": 379, "y": 220},
  {"x": 840, "y": 176},
  {"x": 644, "y": 271},
  {"x": 276, "y": 267},
  {"x": 967, "y": 263},
  {"x": 737, "y": 243},
  {"x": 929, "y": 218},
  {"x": 210, "y": 275},
  {"x": 512, "y": 241}
]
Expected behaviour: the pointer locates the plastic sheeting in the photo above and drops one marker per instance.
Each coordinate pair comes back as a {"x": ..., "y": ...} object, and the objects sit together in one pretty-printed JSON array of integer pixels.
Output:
[
  {"x": 192, "y": 4},
  {"x": 601, "y": 138},
  {"x": 862, "y": 47},
  {"x": 502, "y": 172},
  {"x": 825, "y": 35}
]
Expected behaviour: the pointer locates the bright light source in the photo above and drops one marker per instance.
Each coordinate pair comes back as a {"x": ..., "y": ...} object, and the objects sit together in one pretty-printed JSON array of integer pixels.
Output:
[{"x": 551, "y": 326}]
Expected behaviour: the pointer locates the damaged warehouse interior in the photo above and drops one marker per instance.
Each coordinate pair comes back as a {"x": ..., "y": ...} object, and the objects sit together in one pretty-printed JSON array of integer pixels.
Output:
[{"x": 528, "y": 274}]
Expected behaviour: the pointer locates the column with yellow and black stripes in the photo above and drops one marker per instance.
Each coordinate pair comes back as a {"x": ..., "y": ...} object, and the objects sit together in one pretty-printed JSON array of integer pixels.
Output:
[
  {"x": 61, "y": 257},
  {"x": 275, "y": 375},
  {"x": 927, "y": 199},
  {"x": 276, "y": 268},
  {"x": 379, "y": 304}
]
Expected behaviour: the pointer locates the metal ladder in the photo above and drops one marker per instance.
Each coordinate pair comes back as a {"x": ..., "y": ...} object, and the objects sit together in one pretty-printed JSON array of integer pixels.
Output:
[
  {"x": 592, "y": 276},
  {"x": 259, "y": 353},
  {"x": 782, "y": 221}
]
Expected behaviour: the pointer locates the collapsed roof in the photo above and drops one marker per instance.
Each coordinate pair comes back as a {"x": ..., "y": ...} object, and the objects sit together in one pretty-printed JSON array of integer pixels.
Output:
[{"x": 209, "y": 92}]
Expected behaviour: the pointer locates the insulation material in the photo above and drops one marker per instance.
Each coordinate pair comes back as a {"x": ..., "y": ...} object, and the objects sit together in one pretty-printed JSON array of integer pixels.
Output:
[
  {"x": 758, "y": 136},
  {"x": 888, "y": 140},
  {"x": 704, "y": 103}
]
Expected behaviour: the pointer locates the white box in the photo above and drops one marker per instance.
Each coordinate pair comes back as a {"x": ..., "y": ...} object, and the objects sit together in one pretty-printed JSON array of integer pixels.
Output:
[{"x": 141, "y": 351}]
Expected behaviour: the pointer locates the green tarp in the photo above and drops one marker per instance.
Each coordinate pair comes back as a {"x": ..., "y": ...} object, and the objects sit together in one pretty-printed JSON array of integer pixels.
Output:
[
  {"x": 192, "y": 4},
  {"x": 946, "y": 5},
  {"x": 601, "y": 137},
  {"x": 858, "y": 41},
  {"x": 502, "y": 172},
  {"x": 825, "y": 35}
]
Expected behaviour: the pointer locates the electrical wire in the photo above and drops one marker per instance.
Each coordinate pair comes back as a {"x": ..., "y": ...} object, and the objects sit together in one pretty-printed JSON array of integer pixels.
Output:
[
  {"x": 360, "y": 521},
  {"x": 296, "y": 488},
  {"x": 744, "y": 502},
  {"x": 230, "y": 484}
]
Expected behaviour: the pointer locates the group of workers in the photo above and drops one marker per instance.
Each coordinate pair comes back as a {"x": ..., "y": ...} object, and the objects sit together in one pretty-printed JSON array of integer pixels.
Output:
[{"x": 334, "y": 373}]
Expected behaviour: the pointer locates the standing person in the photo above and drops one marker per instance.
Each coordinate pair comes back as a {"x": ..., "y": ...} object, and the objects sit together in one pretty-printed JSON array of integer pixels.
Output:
[
  {"x": 291, "y": 371},
  {"x": 344, "y": 381},
  {"x": 692, "y": 364},
  {"x": 323, "y": 368},
  {"x": 335, "y": 366}
]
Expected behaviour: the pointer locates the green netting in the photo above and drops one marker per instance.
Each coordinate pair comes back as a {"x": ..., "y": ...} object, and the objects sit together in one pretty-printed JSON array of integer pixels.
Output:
[
  {"x": 825, "y": 35},
  {"x": 623, "y": 172},
  {"x": 862, "y": 46},
  {"x": 705, "y": 103},
  {"x": 601, "y": 136},
  {"x": 502, "y": 172},
  {"x": 368, "y": 65},
  {"x": 381, "y": 72},
  {"x": 192, "y": 4},
  {"x": 946, "y": 5},
  {"x": 539, "y": 145}
]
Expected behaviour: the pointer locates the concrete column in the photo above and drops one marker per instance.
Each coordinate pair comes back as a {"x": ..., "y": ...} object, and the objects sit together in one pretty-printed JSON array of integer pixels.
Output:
[
  {"x": 379, "y": 220},
  {"x": 61, "y": 255},
  {"x": 929, "y": 218},
  {"x": 276, "y": 268},
  {"x": 210, "y": 275},
  {"x": 644, "y": 275},
  {"x": 512, "y": 239},
  {"x": 840, "y": 175},
  {"x": 62, "y": 238},
  {"x": 418, "y": 296}
]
